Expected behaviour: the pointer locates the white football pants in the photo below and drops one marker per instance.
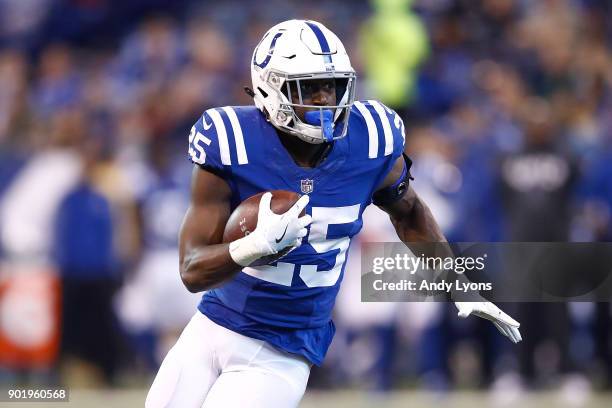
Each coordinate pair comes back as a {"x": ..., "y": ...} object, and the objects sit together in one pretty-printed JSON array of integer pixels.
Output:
[{"x": 211, "y": 366}]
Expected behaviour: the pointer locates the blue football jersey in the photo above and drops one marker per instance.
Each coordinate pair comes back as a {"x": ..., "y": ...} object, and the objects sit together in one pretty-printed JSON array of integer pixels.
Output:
[{"x": 289, "y": 303}]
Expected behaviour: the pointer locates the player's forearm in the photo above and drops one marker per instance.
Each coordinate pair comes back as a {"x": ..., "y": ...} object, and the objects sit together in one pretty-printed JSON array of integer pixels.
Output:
[
  {"x": 414, "y": 223},
  {"x": 207, "y": 267}
]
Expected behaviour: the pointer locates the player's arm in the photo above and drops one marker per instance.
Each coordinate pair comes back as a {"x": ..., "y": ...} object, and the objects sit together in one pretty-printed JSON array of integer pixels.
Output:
[
  {"x": 205, "y": 261},
  {"x": 414, "y": 223},
  {"x": 410, "y": 216}
]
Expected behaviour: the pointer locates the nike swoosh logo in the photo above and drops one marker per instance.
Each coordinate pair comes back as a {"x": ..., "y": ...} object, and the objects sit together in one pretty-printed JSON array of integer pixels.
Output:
[
  {"x": 206, "y": 125},
  {"x": 282, "y": 236}
]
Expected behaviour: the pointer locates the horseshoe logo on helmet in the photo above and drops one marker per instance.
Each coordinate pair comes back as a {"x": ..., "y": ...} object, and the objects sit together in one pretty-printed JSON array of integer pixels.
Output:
[{"x": 266, "y": 61}]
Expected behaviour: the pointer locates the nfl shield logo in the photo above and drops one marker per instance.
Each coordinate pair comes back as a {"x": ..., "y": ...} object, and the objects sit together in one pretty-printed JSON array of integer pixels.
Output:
[{"x": 307, "y": 186}]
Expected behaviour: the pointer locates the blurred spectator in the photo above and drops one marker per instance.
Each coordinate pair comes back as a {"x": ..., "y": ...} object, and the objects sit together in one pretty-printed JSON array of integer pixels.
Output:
[
  {"x": 538, "y": 182},
  {"x": 25, "y": 219},
  {"x": 537, "y": 196},
  {"x": 20, "y": 20},
  {"x": 86, "y": 261},
  {"x": 59, "y": 83},
  {"x": 394, "y": 43},
  {"x": 13, "y": 88},
  {"x": 152, "y": 53}
]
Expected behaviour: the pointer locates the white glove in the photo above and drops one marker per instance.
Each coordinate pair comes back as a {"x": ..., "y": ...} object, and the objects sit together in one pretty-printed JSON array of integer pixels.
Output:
[
  {"x": 487, "y": 310},
  {"x": 273, "y": 233}
]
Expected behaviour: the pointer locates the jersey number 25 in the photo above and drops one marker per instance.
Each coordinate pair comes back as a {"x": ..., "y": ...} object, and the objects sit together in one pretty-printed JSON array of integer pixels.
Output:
[{"x": 322, "y": 218}]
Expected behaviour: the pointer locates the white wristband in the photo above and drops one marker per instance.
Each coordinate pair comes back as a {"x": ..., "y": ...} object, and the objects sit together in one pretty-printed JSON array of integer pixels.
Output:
[{"x": 245, "y": 251}]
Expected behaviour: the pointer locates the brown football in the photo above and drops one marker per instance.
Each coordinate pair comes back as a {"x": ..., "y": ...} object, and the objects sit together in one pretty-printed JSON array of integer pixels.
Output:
[{"x": 244, "y": 218}]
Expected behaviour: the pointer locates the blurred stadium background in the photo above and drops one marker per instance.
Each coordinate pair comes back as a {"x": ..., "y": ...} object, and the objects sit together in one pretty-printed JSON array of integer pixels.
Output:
[{"x": 508, "y": 107}]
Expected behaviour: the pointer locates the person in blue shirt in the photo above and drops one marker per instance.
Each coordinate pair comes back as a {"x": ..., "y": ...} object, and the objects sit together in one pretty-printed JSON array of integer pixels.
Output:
[
  {"x": 83, "y": 251},
  {"x": 259, "y": 328}
]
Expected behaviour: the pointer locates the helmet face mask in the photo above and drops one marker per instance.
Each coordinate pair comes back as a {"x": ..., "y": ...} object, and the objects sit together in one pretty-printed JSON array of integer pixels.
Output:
[
  {"x": 297, "y": 97},
  {"x": 285, "y": 87}
]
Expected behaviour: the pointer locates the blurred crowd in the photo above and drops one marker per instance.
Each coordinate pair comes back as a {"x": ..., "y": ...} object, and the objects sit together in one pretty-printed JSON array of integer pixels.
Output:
[{"x": 508, "y": 112}]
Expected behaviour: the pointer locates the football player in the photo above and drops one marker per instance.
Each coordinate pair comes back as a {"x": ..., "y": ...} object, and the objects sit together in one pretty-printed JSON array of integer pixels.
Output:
[{"x": 259, "y": 329}]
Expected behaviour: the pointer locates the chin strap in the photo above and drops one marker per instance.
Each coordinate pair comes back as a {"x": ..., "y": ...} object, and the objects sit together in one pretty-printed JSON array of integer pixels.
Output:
[{"x": 323, "y": 118}]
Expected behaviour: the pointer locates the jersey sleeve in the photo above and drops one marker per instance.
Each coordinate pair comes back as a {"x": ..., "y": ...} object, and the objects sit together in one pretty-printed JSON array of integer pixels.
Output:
[
  {"x": 381, "y": 137},
  {"x": 382, "y": 129},
  {"x": 399, "y": 141},
  {"x": 398, "y": 132},
  {"x": 205, "y": 142}
]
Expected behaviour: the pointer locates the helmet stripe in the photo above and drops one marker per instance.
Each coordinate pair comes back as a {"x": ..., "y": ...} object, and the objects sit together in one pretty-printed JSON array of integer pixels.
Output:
[
  {"x": 320, "y": 36},
  {"x": 322, "y": 41}
]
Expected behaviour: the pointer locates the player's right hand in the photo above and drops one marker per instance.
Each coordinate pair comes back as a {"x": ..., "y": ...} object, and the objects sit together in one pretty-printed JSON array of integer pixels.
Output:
[
  {"x": 278, "y": 232},
  {"x": 274, "y": 232}
]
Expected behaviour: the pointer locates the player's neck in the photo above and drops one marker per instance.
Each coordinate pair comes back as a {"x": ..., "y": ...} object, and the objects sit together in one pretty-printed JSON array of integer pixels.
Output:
[{"x": 304, "y": 154}]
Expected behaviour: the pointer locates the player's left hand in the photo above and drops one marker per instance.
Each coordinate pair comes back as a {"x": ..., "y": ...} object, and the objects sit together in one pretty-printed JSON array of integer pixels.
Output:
[{"x": 487, "y": 310}]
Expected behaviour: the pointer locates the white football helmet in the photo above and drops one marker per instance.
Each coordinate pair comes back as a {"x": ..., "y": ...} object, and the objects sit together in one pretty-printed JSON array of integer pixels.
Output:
[{"x": 290, "y": 55}]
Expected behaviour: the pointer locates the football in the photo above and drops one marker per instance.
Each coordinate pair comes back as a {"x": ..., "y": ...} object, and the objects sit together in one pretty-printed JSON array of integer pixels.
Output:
[{"x": 244, "y": 218}]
